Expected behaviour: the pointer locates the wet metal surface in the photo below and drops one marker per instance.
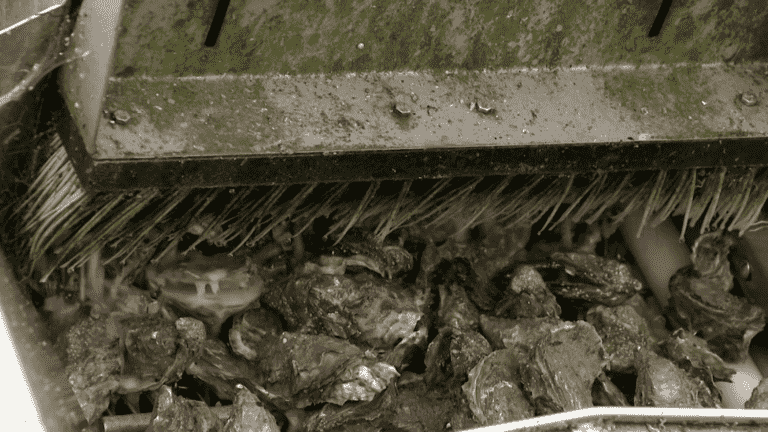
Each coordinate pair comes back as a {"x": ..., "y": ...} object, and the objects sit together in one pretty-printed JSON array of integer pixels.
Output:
[
  {"x": 227, "y": 115},
  {"x": 272, "y": 81}
]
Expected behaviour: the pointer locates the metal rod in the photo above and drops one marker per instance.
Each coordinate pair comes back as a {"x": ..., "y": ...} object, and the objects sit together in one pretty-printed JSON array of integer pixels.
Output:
[
  {"x": 127, "y": 423},
  {"x": 140, "y": 422},
  {"x": 720, "y": 416}
]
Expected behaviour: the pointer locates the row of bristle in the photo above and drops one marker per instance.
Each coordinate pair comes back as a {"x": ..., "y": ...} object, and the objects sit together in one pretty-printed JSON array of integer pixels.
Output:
[{"x": 58, "y": 216}]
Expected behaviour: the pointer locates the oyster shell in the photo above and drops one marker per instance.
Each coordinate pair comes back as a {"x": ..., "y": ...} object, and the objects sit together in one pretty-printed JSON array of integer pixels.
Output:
[
  {"x": 660, "y": 383},
  {"x": 759, "y": 398},
  {"x": 493, "y": 389},
  {"x": 562, "y": 366},
  {"x": 452, "y": 354},
  {"x": 522, "y": 333},
  {"x": 526, "y": 296},
  {"x": 309, "y": 369},
  {"x": 362, "y": 308},
  {"x": 592, "y": 278},
  {"x": 700, "y": 301},
  {"x": 623, "y": 332}
]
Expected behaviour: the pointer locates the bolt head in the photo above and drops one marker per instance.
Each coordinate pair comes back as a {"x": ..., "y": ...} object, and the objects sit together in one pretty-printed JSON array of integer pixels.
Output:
[
  {"x": 402, "y": 110},
  {"x": 749, "y": 99},
  {"x": 121, "y": 117},
  {"x": 484, "y": 110}
]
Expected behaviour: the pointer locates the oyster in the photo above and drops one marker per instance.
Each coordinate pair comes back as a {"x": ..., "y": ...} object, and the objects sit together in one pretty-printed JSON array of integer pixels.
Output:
[
  {"x": 691, "y": 353},
  {"x": 651, "y": 313},
  {"x": 522, "y": 333},
  {"x": 249, "y": 414},
  {"x": 334, "y": 417},
  {"x": 606, "y": 393},
  {"x": 175, "y": 414},
  {"x": 455, "y": 309},
  {"x": 710, "y": 258},
  {"x": 561, "y": 368},
  {"x": 588, "y": 277},
  {"x": 309, "y": 369},
  {"x": 491, "y": 249},
  {"x": 150, "y": 347},
  {"x": 361, "y": 249},
  {"x": 475, "y": 255},
  {"x": 660, "y": 383},
  {"x": 526, "y": 295},
  {"x": 362, "y": 308},
  {"x": 759, "y": 398},
  {"x": 94, "y": 362},
  {"x": 452, "y": 354},
  {"x": 410, "y": 406},
  {"x": 486, "y": 244},
  {"x": 700, "y": 301},
  {"x": 111, "y": 355},
  {"x": 458, "y": 346},
  {"x": 623, "y": 332},
  {"x": 493, "y": 389},
  {"x": 222, "y": 371}
]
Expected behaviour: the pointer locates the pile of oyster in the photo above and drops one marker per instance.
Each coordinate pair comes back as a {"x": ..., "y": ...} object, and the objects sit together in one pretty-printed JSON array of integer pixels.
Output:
[{"x": 418, "y": 331}]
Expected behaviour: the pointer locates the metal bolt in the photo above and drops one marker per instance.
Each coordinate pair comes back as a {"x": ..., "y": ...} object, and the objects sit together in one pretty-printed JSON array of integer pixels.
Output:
[
  {"x": 749, "y": 99},
  {"x": 401, "y": 111},
  {"x": 644, "y": 137},
  {"x": 121, "y": 117},
  {"x": 485, "y": 110}
]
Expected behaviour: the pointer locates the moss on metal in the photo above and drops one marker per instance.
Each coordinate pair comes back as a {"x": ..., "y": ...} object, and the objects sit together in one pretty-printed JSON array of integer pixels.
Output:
[
  {"x": 312, "y": 75},
  {"x": 219, "y": 117},
  {"x": 313, "y": 36},
  {"x": 680, "y": 93}
]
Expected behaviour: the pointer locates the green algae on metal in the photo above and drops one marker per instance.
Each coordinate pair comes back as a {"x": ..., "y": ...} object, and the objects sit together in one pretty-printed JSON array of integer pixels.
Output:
[
  {"x": 217, "y": 114},
  {"x": 300, "y": 37},
  {"x": 675, "y": 93}
]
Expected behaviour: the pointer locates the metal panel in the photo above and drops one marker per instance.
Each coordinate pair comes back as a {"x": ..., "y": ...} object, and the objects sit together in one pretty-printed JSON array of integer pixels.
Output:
[
  {"x": 322, "y": 36},
  {"x": 93, "y": 43},
  {"x": 287, "y": 83}
]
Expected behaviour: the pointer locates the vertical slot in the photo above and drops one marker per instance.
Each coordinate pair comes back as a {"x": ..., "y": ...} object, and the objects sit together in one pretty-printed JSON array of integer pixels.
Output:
[
  {"x": 217, "y": 23},
  {"x": 660, "y": 17}
]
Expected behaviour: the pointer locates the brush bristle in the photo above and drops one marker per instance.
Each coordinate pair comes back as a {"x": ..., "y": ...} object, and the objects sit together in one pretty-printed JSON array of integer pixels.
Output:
[{"x": 59, "y": 217}]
